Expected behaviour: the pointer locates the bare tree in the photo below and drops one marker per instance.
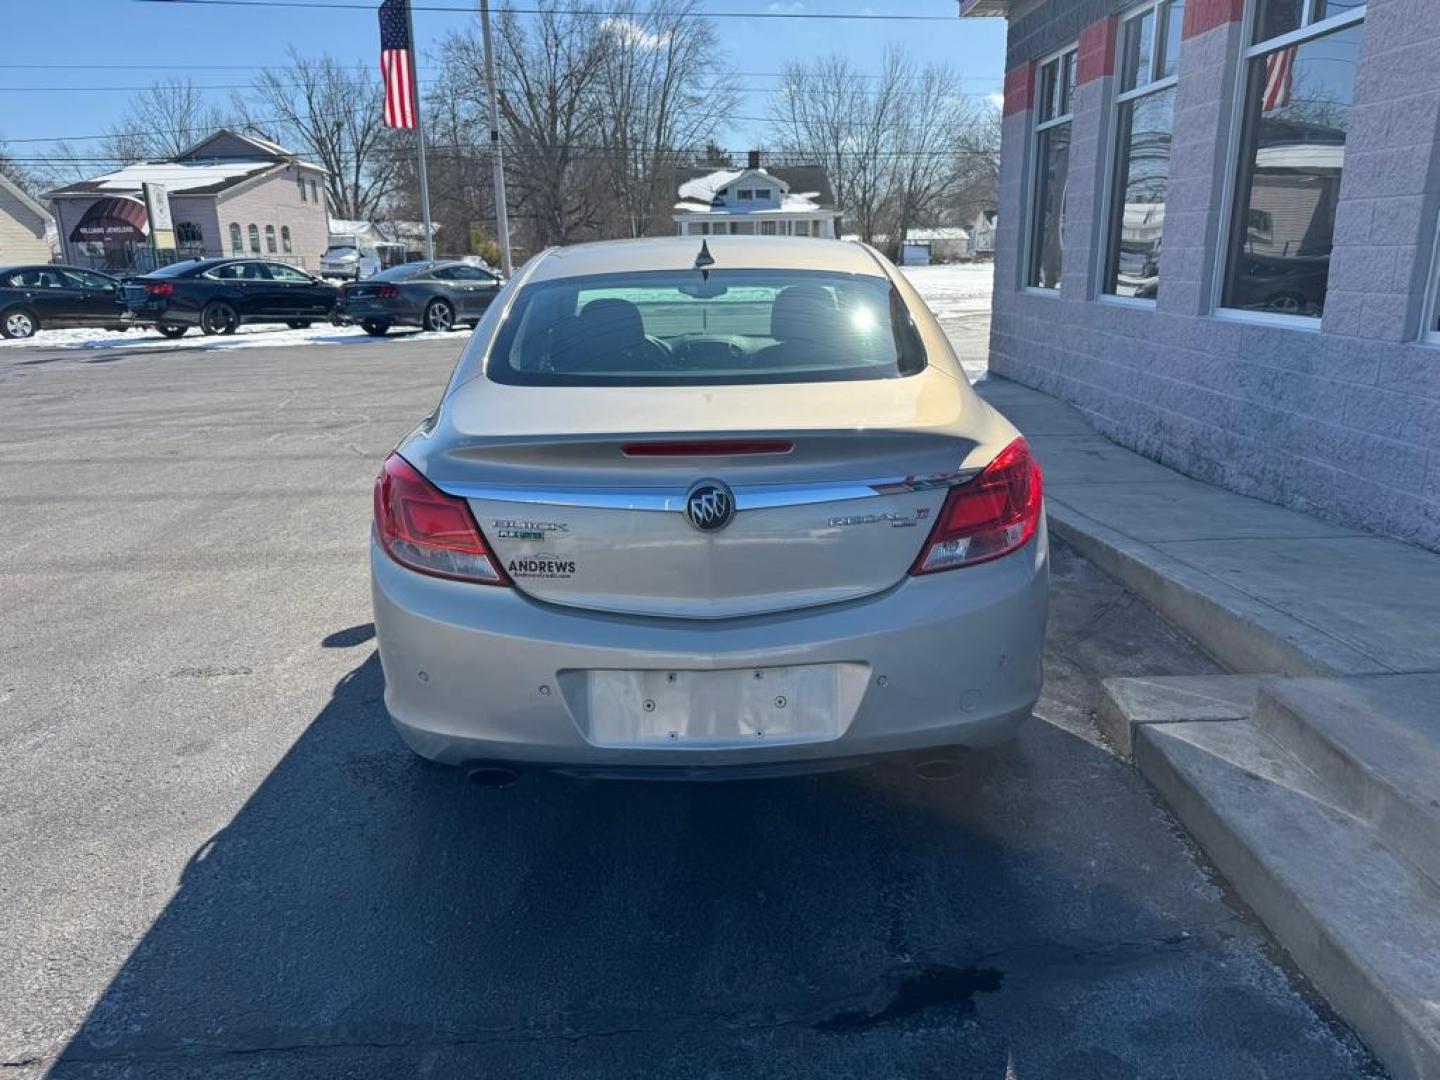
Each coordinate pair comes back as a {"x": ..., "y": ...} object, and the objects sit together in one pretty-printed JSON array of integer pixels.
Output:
[
  {"x": 977, "y": 171},
  {"x": 828, "y": 115},
  {"x": 162, "y": 121},
  {"x": 16, "y": 173},
  {"x": 662, "y": 93},
  {"x": 933, "y": 127},
  {"x": 331, "y": 114},
  {"x": 547, "y": 69},
  {"x": 895, "y": 146}
]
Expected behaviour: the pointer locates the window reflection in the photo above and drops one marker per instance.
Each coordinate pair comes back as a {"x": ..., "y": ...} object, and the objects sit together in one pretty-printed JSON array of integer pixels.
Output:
[
  {"x": 1142, "y": 178},
  {"x": 1046, "y": 256},
  {"x": 1297, "y": 114}
]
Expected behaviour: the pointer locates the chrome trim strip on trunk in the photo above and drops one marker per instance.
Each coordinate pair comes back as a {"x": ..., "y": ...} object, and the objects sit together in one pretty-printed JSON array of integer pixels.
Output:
[{"x": 751, "y": 497}]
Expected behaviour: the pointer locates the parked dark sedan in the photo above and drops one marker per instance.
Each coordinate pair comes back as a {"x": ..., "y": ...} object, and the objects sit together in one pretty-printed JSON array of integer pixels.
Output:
[
  {"x": 44, "y": 297},
  {"x": 218, "y": 295},
  {"x": 432, "y": 295}
]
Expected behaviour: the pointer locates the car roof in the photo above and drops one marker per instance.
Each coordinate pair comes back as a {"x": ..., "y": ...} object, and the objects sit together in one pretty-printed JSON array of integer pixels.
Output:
[
  {"x": 729, "y": 252},
  {"x": 10, "y": 268}
]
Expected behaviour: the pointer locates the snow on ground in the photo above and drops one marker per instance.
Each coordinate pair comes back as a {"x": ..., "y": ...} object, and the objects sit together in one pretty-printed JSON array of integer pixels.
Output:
[
  {"x": 247, "y": 337},
  {"x": 959, "y": 295}
]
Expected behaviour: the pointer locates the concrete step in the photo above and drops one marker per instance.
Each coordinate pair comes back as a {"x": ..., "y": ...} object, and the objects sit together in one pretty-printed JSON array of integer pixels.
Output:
[
  {"x": 1374, "y": 742},
  {"x": 1129, "y": 703},
  {"x": 1359, "y": 920}
]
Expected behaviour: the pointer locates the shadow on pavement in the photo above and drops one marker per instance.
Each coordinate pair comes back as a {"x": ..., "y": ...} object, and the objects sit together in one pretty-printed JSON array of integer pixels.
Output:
[{"x": 366, "y": 914}]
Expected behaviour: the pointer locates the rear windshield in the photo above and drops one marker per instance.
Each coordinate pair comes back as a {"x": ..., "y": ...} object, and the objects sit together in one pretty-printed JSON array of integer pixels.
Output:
[
  {"x": 345, "y": 250},
  {"x": 176, "y": 269},
  {"x": 733, "y": 326},
  {"x": 401, "y": 272}
]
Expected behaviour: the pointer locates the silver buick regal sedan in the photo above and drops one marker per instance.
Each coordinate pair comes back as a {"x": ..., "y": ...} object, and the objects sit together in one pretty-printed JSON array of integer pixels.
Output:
[{"x": 709, "y": 509}]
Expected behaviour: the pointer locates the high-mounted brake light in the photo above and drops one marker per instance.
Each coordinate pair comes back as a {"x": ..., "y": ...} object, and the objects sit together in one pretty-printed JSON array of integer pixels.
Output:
[
  {"x": 992, "y": 515},
  {"x": 421, "y": 527},
  {"x": 160, "y": 288},
  {"x": 707, "y": 448}
]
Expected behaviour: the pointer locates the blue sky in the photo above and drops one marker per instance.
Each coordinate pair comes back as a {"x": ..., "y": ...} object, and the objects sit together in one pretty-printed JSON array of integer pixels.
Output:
[{"x": 157, "y": 40}]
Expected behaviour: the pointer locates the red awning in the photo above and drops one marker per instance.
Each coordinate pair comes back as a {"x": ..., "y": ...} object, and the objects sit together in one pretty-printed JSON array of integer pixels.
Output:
[{"x": 119, "y": 217}]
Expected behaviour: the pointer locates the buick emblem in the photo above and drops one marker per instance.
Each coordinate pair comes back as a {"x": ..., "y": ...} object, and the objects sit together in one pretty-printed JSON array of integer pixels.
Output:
[{"x": 709, "y": 505}]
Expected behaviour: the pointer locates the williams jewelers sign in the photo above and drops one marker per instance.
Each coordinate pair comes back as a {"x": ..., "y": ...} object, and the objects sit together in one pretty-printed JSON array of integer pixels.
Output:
[{"x": 117, "y": 219}]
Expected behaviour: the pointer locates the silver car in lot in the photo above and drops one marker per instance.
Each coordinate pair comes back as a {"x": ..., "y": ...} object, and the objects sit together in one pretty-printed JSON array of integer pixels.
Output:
[{"x": 709, "y": 509}]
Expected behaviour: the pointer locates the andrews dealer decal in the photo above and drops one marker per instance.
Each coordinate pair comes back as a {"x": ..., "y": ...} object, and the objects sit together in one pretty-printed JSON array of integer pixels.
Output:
[{"x": 541, "y": 566}]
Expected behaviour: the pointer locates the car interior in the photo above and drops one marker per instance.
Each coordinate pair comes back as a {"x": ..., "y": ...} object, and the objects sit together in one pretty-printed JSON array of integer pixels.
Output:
[{"x": 704, "y": 327}]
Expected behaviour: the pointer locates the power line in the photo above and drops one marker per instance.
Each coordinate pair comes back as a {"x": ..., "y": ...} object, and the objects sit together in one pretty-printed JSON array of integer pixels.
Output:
[{"x": 343, "y": 5}]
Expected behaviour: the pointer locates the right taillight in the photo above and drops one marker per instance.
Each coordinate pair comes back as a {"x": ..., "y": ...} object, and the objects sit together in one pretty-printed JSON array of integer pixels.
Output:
[
  {"x": 421, "y": 527},
  {"x": 992, "y": 515}
]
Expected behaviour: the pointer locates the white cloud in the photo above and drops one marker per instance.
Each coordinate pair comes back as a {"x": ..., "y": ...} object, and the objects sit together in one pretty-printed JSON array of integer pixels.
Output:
[
  {"x": 792, "y": 7},
  {"x": 632, "y": 33},
  {"x": 995, "y": 100}
]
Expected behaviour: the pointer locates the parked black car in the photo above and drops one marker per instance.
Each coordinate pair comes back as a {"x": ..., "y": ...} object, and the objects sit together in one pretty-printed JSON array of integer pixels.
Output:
[
  {"x": 218, "y": 295},
  {"x": 431, "y": 295},
  {"x": 44, "y": 297}
]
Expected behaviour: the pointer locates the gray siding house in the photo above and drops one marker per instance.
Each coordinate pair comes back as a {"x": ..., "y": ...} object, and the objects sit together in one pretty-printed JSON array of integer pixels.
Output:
[
  {"x": 230, "y": 194},
  {"x": 1217, "y": 236}
]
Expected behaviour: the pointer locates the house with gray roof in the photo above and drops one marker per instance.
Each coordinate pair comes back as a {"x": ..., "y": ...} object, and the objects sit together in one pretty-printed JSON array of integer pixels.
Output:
[{"x": 229, "y": 194}]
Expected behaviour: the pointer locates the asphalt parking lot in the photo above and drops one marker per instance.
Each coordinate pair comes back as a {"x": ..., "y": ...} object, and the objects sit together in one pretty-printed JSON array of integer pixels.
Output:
[{"x": 217, "y": 860}]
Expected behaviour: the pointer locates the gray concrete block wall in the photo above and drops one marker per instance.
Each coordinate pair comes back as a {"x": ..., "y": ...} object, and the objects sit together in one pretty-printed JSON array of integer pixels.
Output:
[{"x": 1342, "y": 420}]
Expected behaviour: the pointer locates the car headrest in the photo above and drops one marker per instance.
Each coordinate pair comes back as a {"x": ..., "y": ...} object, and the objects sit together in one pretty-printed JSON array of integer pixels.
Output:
[
  {"x": 613, "y": 321},
  {"x": 803, "y": 312}
]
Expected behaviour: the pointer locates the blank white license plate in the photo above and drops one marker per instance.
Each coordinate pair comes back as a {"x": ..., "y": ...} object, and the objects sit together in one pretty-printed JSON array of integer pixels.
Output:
[{"x": 716, "y": 709}]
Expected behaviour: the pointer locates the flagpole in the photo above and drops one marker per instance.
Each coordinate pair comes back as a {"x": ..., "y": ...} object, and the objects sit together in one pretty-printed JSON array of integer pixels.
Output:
[
  {"x": 497, "y": 156},
  {"x": 420, "y": 137}
]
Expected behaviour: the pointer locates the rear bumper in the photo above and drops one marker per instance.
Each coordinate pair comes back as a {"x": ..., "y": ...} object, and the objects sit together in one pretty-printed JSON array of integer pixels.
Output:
[
  {"x": 349, "y": 312},
  {"x": 480, "y": 673}
]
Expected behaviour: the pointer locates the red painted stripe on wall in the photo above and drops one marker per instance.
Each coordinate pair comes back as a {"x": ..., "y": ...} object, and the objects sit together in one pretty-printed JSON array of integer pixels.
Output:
[
  {"x": 1096, "y": 56},
  {"x": 1019, "y": 88},
  {"x": 1204, "y": 15}
]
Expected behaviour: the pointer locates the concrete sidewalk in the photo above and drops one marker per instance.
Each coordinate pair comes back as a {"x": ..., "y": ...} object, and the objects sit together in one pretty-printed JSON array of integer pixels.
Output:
[
  {"x": 1316, "y": 797},
  {"x": 1264, "y": 589}
]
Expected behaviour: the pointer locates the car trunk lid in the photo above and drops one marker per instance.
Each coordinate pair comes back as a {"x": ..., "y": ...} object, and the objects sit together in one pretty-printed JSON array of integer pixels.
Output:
[{"x": 834, "y": 488}]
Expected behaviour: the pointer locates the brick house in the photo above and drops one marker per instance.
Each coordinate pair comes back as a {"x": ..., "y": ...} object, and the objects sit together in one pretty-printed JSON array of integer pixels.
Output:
[
  {"x": 1217, "y": 236},
  {"x": 230, "y": 194}
]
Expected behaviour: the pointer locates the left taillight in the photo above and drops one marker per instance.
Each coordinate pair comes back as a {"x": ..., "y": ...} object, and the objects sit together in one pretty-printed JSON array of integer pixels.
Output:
[
  {"x": 992, "y": 515},
  {"x": 421, "y": 527},
  {"x": 160, "y": 288}
]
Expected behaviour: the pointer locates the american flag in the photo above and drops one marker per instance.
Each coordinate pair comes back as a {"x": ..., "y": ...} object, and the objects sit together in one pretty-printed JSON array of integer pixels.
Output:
[
  {"x": 397, "y": 64},
  {"x": 1279, "y": 79}
]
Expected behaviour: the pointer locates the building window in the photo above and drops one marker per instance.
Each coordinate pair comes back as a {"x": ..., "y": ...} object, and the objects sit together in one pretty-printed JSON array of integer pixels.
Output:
[
  {"x": 1054, "y": 87},
  {"x": 237, "y": 246},
  {"x": 270, "y": 248},
  {"x": 767, "y": 228},
  {"x": 301, "y": 181},
  {"x": 1299, "y": 90},
  {"x": 285, "y": 240},
  {"x": 314, "y": 191},
  {"x": 254, "y": 239},
  {"x": 746, "y": 194},
  {"x": 1145, "y": 119}
]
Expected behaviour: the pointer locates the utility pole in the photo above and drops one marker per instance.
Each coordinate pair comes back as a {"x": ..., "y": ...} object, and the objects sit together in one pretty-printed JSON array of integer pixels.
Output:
[
  {"x": 497, "y": 156},
  {"x": 420, "y": 135}
]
